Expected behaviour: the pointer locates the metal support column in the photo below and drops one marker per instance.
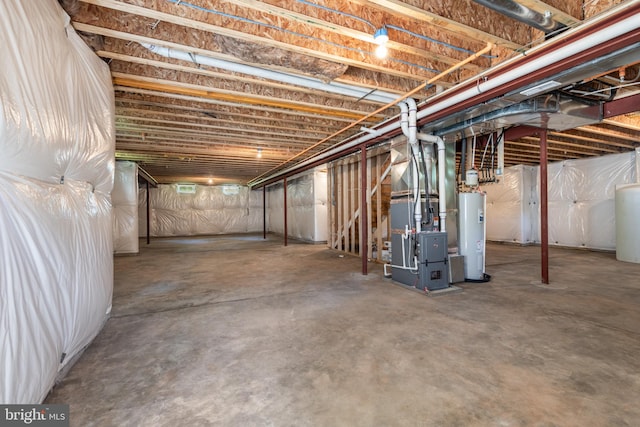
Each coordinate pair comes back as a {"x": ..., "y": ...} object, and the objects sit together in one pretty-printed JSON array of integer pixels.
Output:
[
  {"x": 148, "y": 215},
  {"x": 264, "y": 212},
  {"x": 364, "y": 220},
  {"x": 285, "y": 211},
  {"x": 544, "y": 208}
]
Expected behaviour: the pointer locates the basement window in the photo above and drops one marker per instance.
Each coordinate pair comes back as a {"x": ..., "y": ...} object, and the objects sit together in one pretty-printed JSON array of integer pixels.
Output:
[
  {"x": 186, "y": 188},
  {"x": 230, "y": 190}
]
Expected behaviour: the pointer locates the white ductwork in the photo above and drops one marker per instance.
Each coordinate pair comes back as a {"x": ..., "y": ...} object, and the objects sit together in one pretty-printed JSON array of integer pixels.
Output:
[{"x": 306, "y": 82}]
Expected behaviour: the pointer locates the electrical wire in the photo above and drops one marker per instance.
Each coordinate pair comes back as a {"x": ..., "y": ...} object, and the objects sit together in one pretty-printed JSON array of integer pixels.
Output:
[
  {"x": 283, "y": 30},
  {"x": 429, "y": 39},
  {"x": 328, "y": 9},
  {"x": 613, "y": 87}
]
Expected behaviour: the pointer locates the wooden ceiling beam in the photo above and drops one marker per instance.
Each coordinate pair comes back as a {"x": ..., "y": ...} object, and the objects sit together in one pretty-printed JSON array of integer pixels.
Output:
[
  {"x": 323, "y": 25},
  {"x": 556, "y": 14},
  {"x": 401, "y": 67},
  {"x": 144, "y": 114},
  {"x": 209, "y": 130},
  {"x": 401, "y": 9},
  {"x": 158, "y": 85},
  {"x": 247, "y": 127},
  {"x": 197, "y": 99},
  {"x": 222, "y": 77},
  {"x": 211, "y": 143}
]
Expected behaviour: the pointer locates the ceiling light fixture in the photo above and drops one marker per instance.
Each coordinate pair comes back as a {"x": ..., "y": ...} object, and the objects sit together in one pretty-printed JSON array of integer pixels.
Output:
[
  {"x": 381, "y": 37},
  {"x": 259, "y": 155},
  {"x": 210, "y": 181}
]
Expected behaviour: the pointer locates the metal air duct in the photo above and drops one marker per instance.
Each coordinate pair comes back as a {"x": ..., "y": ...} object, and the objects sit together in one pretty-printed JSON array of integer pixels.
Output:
[{"x": 512, "y": 9}]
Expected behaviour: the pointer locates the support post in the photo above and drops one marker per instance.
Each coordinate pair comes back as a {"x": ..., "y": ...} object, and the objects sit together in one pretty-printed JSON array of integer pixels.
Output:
[
  {"x": 285, "y": 211},
  {"x": 148, "y": 215},
  {"x": 364, "y": 217},
  {"x": 544, "y": 208},
  {"x": 264, "y": 212}
]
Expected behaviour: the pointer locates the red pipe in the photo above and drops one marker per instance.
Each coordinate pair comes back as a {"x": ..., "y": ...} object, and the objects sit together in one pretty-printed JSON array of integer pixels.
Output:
[
  {"x": 285, "y": 211},
  {"x": 364, "y": 217},
  {"x": 544, "y": 208},
  {"x": 148, "y": 215},
  {"x": 264, "y": 212}
]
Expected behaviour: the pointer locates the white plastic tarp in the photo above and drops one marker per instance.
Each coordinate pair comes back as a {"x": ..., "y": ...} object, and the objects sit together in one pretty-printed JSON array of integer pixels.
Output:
[
  {"x": 581, "y": 202},
  {"x": 56, "y": 175},
  {"x": 509, "y": 213},
  {"x": 220, "y": 209},
  {"x": 581, "y": 199},
  {"x": 124, "y": 198},
  {"x": 306, "y": 207}
]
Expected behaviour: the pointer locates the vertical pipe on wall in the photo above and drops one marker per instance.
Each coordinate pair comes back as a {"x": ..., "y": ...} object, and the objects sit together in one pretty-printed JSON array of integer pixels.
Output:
[
  {"x": 463, "y": 159},
  {"x": 148, "y": 219},
  {"x": 285, "y": 211},
  {"x": 264, "y": 212},
  {"x": 364, "y": 217},
  {"x": 544, "y": 208}
]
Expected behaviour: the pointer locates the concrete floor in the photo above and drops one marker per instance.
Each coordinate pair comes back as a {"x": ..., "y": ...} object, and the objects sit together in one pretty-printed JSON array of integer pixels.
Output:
[{"x": 237, "y": 331}]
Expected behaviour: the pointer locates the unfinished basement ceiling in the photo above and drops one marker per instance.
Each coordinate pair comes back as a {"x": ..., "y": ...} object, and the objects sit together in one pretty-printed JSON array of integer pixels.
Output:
[{"x": 186, "y": 120}]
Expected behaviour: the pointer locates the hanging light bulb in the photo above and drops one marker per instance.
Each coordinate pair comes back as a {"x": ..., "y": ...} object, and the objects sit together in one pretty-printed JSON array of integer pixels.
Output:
[
  {"x": 259, "y": 154},
  {"x": 381, "y": 37},
  {"x": 210, "y": 181},
  {"x": 381, "y": 51}
]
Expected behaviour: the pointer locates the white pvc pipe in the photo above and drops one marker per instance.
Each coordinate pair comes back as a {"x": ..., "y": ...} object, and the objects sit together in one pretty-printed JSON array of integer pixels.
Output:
[
  {"x": 414, "y": 136},
  {"x": 442, "y": 101},
  {"x": 307, "y": 82},
  {"x": 442, "y": 174}
]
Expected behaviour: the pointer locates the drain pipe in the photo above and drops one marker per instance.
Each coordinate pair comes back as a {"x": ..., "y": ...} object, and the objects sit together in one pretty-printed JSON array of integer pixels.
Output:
[
  {"x": 408, "y": 119},
  {"x": 306, "y": 82},
  {"x": 442, "y": 198},
  {"x": 409, "y": 128}
]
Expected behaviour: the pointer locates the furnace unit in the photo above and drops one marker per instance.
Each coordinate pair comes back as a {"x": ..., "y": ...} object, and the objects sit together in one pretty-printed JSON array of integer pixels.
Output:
[{"x": 433, "y": 271}]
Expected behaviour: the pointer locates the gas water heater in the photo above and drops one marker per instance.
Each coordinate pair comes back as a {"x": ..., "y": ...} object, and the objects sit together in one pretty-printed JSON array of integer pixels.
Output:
[{"x": 471, "y": 241}]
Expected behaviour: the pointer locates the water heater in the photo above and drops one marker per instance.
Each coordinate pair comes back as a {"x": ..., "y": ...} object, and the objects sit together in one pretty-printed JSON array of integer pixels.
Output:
[{"x": 471, "y": 207}]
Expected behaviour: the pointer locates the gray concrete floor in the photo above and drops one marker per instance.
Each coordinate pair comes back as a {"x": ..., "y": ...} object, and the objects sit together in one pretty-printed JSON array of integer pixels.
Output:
[{"x": 237, "y": 331}]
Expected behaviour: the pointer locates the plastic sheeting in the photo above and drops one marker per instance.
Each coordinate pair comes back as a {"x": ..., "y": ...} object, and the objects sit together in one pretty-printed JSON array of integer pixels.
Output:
[
  {"x": 211, "y": 210},
  {"x": 581, "y": 197},
  {"x": 306, "y": 207},
  {"x": 56, "y": 175},
  {"x": 511, "y": 213},
  {"x": 124, "y": 198}
]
